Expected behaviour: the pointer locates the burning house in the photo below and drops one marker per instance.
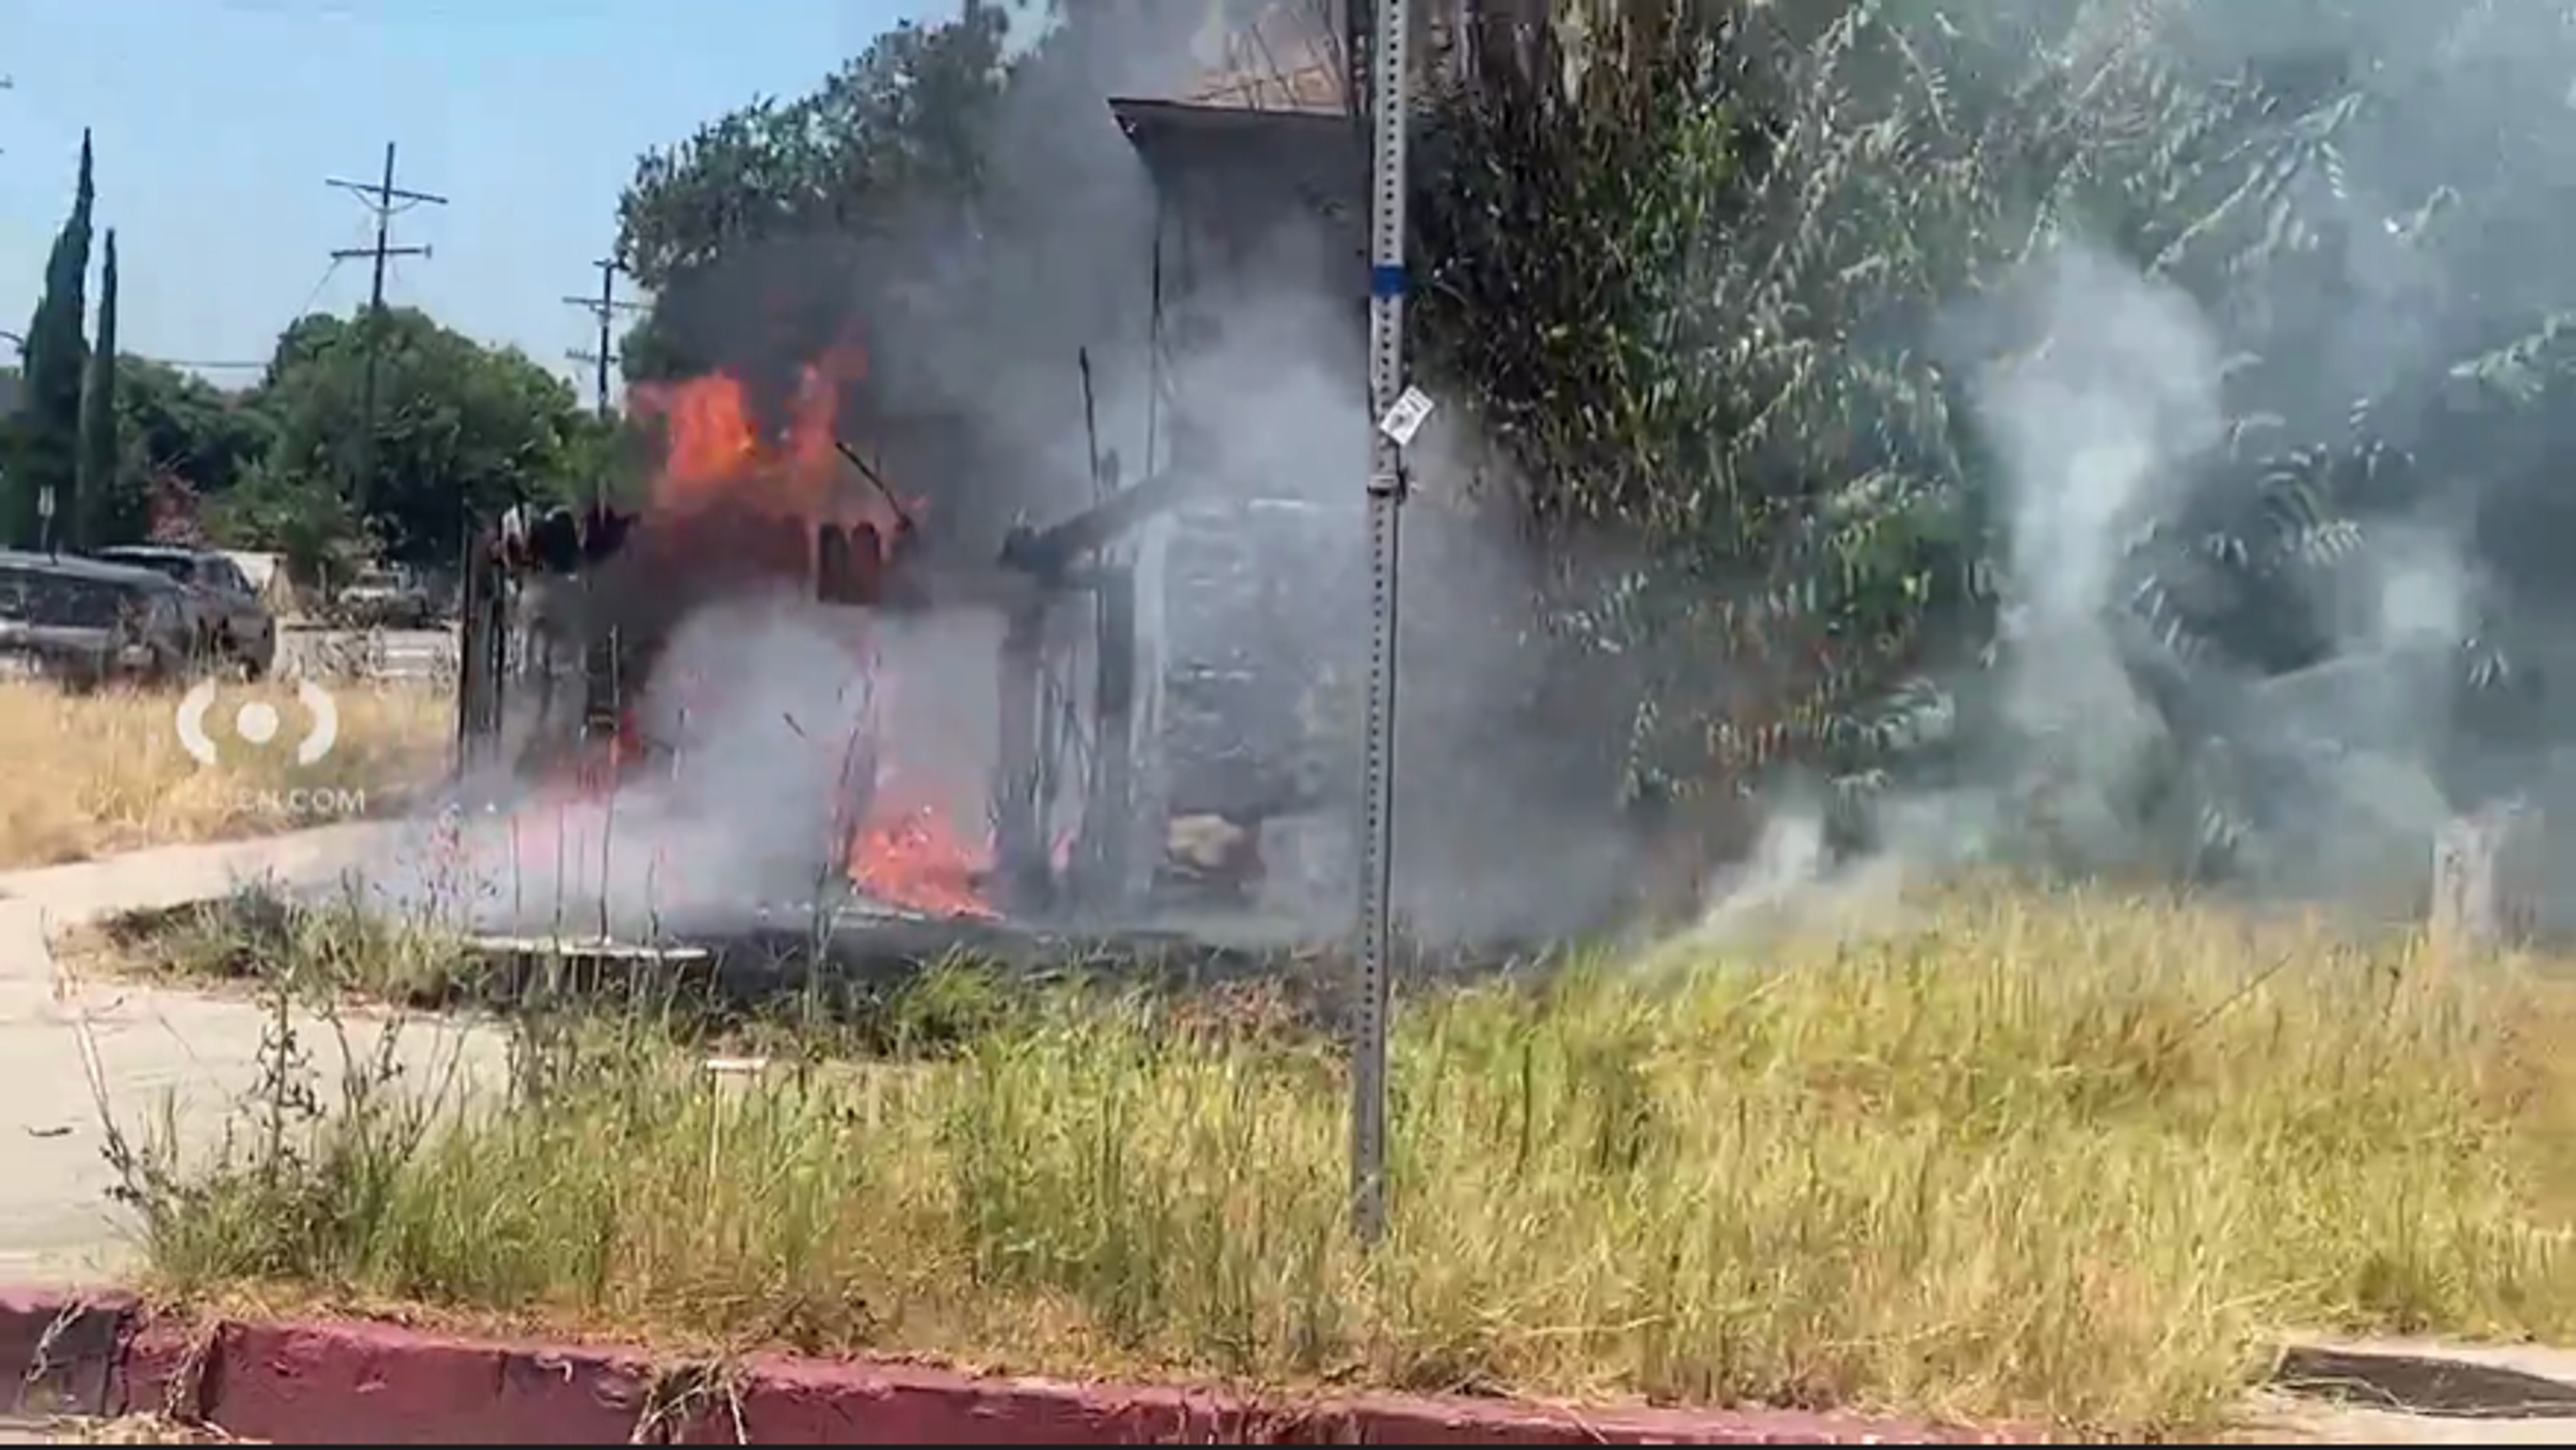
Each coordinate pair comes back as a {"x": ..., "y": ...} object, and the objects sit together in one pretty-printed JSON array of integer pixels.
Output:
[
  {"x": 1119, "y": 667},
  {"x": 573, "y": 674}
]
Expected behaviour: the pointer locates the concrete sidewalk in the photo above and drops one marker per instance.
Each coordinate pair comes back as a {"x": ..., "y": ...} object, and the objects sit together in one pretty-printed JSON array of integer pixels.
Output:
[{"x": 198, "y": 1054}]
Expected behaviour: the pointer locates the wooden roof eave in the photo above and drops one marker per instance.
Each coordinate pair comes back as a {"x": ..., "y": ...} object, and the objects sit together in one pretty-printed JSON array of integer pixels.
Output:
[{"x": 1311, "y": 149}]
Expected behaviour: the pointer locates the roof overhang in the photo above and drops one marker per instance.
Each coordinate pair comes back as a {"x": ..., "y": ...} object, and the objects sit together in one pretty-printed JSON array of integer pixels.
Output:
[{"x": 1317, "y": 152}]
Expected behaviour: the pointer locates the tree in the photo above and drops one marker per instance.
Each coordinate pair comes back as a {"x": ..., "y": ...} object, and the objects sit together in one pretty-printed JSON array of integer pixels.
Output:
[
  {"x": 47, "y": 445},
  {"x": 305, "y": 517},
  {"x": 115, "y": 501},
  {"x": 176, "y": 423},
  {"x": 954, "y": 205},
  {"x": 906, "y": 119},
  {"x": 767, "y": 213},
  {"x": 954, "y": 179},
  {"x": 1736, "y": 241},
  {"x": 462, "y": 432}
]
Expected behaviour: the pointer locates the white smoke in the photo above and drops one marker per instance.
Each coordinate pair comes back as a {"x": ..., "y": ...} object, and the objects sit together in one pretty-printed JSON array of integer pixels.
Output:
[
  {"x": 2103, "y": 406},
  {"x": 2100, "y": 427},
  {"x": 780, "y": 719}
]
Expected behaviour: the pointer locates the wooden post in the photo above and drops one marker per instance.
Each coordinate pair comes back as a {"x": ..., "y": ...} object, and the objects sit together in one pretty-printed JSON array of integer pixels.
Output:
[
  {"x": 478, "y": 684},
  {"x": 1021, "y": 857},
  {"x": 2487, "y": 877},
  {"x": 1109, "y": 804}
]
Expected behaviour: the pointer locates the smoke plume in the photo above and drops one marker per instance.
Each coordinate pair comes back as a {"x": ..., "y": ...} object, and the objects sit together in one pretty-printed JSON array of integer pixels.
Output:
[{"x": 2164, "y": 429}]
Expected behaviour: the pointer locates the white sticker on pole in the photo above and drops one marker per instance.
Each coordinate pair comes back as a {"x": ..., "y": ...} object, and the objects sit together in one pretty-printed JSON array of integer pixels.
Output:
[{"x": 1406, "y": 418}]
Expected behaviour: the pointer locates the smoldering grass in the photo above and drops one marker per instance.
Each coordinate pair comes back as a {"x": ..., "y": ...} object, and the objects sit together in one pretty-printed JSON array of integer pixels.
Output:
[{"x": 2071, "y": 1158}]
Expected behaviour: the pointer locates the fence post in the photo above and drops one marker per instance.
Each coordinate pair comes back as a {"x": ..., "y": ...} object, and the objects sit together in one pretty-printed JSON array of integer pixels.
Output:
[{"x": 2487, "y": 876}]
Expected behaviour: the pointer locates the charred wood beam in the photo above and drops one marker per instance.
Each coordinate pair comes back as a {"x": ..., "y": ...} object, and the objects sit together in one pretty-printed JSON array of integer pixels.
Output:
[
  {"x": 1021, "y": 857},
  {"x": 1050, "y": 553},
  {"x": 1109, "y": 803},
  {"x": 902, "y": 516},
  {"x": 483, "y": 619}
]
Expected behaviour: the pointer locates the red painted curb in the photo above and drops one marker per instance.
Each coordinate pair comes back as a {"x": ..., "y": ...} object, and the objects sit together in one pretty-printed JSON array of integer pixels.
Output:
[{"x": 356, "y": 1383}]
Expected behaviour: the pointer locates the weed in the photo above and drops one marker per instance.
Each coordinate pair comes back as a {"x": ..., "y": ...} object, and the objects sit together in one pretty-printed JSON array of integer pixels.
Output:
[{"x": 2074, "y": 1157}]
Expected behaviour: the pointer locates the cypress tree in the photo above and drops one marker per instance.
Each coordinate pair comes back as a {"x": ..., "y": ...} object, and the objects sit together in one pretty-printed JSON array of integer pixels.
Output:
[
  {"x": 108, "y": 513},
  {"x": 57, "y": 364}
]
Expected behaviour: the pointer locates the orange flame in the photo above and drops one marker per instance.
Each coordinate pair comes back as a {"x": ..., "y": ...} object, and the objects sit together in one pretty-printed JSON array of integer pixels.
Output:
[
  {"x": 717, "y": 455},
  {"x": 913, "y": 857},
  {"x": 712, "y": 442}
]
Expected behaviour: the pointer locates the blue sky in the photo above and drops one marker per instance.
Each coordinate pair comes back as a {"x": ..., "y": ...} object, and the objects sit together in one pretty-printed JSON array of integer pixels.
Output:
[{"x": 216, "y": 122}]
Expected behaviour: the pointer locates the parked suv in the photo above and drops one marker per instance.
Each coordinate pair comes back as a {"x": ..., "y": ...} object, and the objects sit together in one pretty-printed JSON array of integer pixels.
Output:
[
  {"x": 84, "y": 623},
  {"x": 229, "y": 622}
]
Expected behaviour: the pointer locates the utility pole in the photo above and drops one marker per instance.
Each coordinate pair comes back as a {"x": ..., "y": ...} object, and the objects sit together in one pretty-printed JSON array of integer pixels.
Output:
[
  {"x": 605, "y": 308},
  {"x": 380, "y": 197}
]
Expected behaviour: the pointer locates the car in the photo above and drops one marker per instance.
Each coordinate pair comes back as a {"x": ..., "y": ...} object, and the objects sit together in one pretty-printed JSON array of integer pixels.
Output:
[
  {"x": 230, "y": 622},
  {"x": 85, "y": 623},
  {"x": 386, "y": 598}
]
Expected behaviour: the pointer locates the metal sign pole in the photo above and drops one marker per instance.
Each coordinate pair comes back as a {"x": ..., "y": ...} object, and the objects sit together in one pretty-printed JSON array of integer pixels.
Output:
[{"x": 1397, "y": 411}]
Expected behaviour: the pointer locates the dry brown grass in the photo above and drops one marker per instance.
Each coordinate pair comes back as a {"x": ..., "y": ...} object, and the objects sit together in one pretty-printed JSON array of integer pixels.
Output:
[
  {"x": 131, "y": 1430},
  {"x": 92, "y": 774},
  {"x": 2075, "y": 1158}
]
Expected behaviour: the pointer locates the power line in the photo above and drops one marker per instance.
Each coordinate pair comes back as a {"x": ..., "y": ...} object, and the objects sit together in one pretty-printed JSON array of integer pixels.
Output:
[
  {"x": 19, "y": 342},
  {"x": 242, "y": 365},
  {"x": 605, "y": 308},
  {"x": 305, "y": 306},
  {"x": 381, "y": 198}
]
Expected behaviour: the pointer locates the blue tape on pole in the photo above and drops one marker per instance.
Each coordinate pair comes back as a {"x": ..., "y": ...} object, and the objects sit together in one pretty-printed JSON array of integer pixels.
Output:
[{"x": 1386, "y": 280}]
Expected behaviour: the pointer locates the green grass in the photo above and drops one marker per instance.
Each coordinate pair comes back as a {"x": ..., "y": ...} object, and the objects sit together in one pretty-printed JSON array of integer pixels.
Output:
[
  {"x": 260, "y": 937},
  {"x": 2071, "y": 1158}
]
